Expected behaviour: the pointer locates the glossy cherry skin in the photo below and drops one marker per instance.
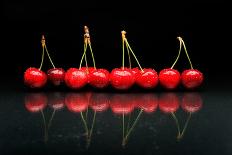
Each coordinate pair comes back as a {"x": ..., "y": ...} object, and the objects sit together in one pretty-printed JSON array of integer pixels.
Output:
[
  {"x": 56, "y": 75},
  {"x": 191, "y": 102},
  {"x": 122, "y": 78},
  {"x": 99, "y": 78},
  {"x": 56, "y": 101},
  {"x": 76, "y": 102},
  {"x": 35, "y": 102},
  {"x": 35, "y": 78},
  {"x": 99, "y": 102},
  {"x": 122, "y": 104},
  {"x": 169, "y": 78},
  {"x": 169, "y": 102},
  {"x": 75, "y": 78},
  {"x": 148, "y": 78},
  {"x": 191, "y": 78},
  {"x": 147, "y": 102},
  {"x": 136, "y": 71}
]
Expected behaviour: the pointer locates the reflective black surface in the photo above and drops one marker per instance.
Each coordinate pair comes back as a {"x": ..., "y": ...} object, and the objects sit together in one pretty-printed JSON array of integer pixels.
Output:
[{"x": 118, "y": 123}]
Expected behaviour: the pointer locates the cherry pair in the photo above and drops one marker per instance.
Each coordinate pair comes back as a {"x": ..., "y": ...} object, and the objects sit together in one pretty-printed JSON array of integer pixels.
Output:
[
  {"x": 190, "y": 78},
  {"x": 77, "y": 78},
  {"x": 124, "y": 78},
  {"x": 36, "y": 78}
]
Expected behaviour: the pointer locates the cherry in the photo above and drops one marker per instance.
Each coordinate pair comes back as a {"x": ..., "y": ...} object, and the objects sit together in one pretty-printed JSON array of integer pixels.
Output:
[
  {"x": 136, "y": 71},
  {"x": 169, "y": 78},
  {"x": 121, "y": 104},
  {"x": 99, "y": 102},
  {"x": 35, "y": 78},
  {"x": 35, "y": 102},
  {"x": 147, "y": 78},
  {"x": 169, "y": 103},
  {"x": 191, "y": 78},
  {"x": 75, "y": 78},
  {"x": 56, "y": 101},
  {"x": 191, "y": 102},
  {"x": 99, "y": 78},
  {"x": 76, "y": 102},
  {"x": 122, "y": 78},
  {"x": 147, "y": 102},
  {"x": 56, "y": 75}
]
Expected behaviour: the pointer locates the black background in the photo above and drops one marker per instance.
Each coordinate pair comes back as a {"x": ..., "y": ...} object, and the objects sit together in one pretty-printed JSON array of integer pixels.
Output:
[{"x": 152, "y": 28}]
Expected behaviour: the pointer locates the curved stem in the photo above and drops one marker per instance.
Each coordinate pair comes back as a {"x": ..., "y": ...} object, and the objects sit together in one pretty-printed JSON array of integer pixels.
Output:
[
  {"x": 133, "y": 126},
  {"x": 41, "y": 64},
  {"x": 45, "y": 127},
  {"x": 85, "y": 124},
  {"x": 177, "y": 58},
  {"x": 91, "y": 130},
  {"x": 186, "y": 52},
  {"x": 128, "y": 123},
  {"x": 86, "y": 61},
  {"x": 90, "y": 47},
  {"x": 123, "y": 53},
  {"x": 128, "y": 52},
  {"x": 50, "y": 121},
  {"x": 177, "y": 123},
  {"x": 49, "y": 56},
  {"x": 133, "y": 54},
  {"x": 83, "y": 55},
  {"x": 185, "y": 127}
]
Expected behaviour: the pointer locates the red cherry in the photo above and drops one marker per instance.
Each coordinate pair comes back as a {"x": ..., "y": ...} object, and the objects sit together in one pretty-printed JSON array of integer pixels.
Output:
[
  {"x": 122, "y": 78},
  {"x": 122, "y": 104},
  {"x": 34, "y": 78},
  {"x": 56, "y": 75},
  {"x": 147, "y": 102},
  {"x": 35, "y": 102},
  {"x": 191, "y": 78},
  {"x": 191, "y": 102},
  {"x": 99, "y": 102},
  {"x": 56, "y": 101},
  {"x": 75, "y": 78},
  {"x": 169, "y": 102},
  {"x": 99, "y": 78},
  {"x": 76, "y": 102},
  {"x": 169, "y": 78},
  {"x": 147, "y": 78},
  {"x": 136, "y": 71}
]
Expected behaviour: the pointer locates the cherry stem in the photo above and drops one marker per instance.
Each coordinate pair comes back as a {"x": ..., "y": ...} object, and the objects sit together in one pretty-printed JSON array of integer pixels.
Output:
[
  {"x": 177, "y": 58},
  {"x": 133, "y": 125},
  {"x": 186, "y": 52},
  {"x": 185, "y": 126},
  {"x": 45, "y": 127},
  {"x": 90, "y": 47},
  {"x": 177, "y": 123},
  {"x": 128, "y": 123},
  {"x": 93, "y": 122},
  {"x": 133, "y": 54},
  {"x": 41, "y": 64},
  {"x": 49, "y": 56},
  {"x": 83, "y": 55},
  {"x": 129, "y": 58},
  {"x": 123, "y": 48},
  {"x": 86, "y": 61},
  {"x": 50, "y": 121},
  {"x": 85, "y": 124}
]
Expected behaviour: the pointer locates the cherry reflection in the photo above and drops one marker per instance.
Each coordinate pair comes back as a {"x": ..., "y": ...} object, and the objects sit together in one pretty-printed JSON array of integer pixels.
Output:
[
  {"x": 169, "y": 103},
  {"x": 191, "y": 103}
]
